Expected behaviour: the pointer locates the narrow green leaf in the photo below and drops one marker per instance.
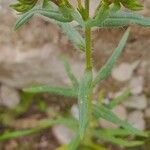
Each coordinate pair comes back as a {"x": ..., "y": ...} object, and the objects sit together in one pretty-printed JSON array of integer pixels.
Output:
[
  {"x": 41, "y": 125},
  {"x": 114, "y": 102},
  {"x": 69, "y": 92},
  {"x": 106, "y": 69},
  {"x": 103, "y": 112},
  {"x": 121, "y": 18},
  {"x": 72, "y": 35},
  {"x": 17, "y": 134},
  {"x": 52, "y": 14},
  {"x": 69, "y": 72},
  {"x": 68, "y": 122},
  {"x": 23, "y": 19},
  {"x": 83, "y": 100},
  {"x": 73, "y": 145},
  {"x": 49, "y": 13},
  {"x": 117, "y": 141},
  {"x": 115, "y": 132}
]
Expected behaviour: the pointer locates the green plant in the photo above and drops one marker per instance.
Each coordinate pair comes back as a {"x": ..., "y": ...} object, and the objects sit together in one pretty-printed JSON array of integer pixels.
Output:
[{"x": 107, "y": 15}]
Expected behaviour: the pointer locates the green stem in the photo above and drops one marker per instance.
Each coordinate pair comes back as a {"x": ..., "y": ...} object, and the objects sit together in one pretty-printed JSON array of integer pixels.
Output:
[
  {"x": 88, "y": 48},
  {"x": 89, "y": 68},
  {"x": 88, "y": 38}
]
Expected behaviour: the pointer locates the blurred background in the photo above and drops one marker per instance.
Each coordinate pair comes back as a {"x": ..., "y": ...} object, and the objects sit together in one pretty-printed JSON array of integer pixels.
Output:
[{"x": 30, "y": 56}]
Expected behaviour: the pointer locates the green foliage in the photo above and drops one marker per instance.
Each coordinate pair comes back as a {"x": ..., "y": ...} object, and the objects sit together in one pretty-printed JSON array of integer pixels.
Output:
[
  {"x": 106, "y": 69},
  {"x": 100, "y": 111},
  {"x": 116, "y": 140},
  {"x": 122, "y": 18},
  {"x": 69, "y": 92},
  {"x": 83, "y": 101},
  {"x": 69, "y": 72},
  {"x": 72, "y": 35},
  {"x": 114, "y": 102},
  {"x": 73, "y": 145},
  {"x": 41, "y": 125},
  {"x": 24, "y": 5},
  {"x": 108, "y": 14}
]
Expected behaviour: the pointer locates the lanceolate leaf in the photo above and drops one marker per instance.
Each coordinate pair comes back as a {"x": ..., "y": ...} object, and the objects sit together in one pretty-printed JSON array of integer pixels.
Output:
[
  {"x": 19, "y": 133},
  {"x": 72, "y": 35},
  {"x": 118, "y": 132},
  {"x": 69, "y": 72},
  {"x": 52, "y": 14},
  {"x": 121, "y": 18},
  {"x": 100, "y": 111},
  {"x": 106, "y": 69},
  {"x": 23, "y": 19},
  {"x": 73, "y": 145},
  {"x": 69, "y": 92},
  {"x": 83, "y": 101},
  {"x": 114, "y": 102},
  {"x": 41, "y": 125},
  {"x": 117, "y": 141}
]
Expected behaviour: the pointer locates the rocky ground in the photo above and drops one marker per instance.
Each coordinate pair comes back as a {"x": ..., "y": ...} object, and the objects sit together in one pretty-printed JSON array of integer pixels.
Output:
[{"x": 31, "y": 56}]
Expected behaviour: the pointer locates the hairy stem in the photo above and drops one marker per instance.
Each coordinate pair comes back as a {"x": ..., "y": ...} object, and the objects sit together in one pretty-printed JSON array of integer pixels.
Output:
[
  {"x": 88, "y": 39},
  {"x": 88, "y": 68}
]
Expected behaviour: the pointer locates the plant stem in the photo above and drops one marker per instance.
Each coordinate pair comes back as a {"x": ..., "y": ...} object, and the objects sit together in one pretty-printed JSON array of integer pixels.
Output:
[
  {"x": 88, "y": 68},
  {"x": 88, "y": 38},
  {"x": 88, "y": 48}
]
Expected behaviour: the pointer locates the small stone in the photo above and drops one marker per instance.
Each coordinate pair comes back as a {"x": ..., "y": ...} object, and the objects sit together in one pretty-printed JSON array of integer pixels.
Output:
[
  {"x": 123, "y": 72},
  {"x": 136, "y": 119},
  {"x": 62, "y": 134},
  {"x": 136, "y": 102},
  {"x": 137, "y": 85},
  {"x": 75, "y": 111},
  {"x": 9, "y": 97},
  {"x": 120, "y": 111},
  {"x": 147, "y": 113}
]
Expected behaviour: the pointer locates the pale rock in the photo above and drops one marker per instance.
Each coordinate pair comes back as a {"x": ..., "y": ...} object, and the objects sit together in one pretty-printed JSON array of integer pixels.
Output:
[
  {"x": 147, "y": 112},
  {"x": 136, "y": 119},
  {"x": 75, "y": 111},
  {"x": 40, "y": 66},
  {"x": 136, "y": 102},
  {"x": 120, "y": 111},
  {"x": 9, "y": 97},
  {"x": 62, "y": 134},
  {"x": 137, "y": 85},
  {"x": 123, "y": 72}
]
